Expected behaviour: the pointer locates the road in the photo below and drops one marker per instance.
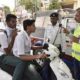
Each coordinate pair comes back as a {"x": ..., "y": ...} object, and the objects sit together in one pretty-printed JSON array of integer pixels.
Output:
[{"x": 4, "y": 75}]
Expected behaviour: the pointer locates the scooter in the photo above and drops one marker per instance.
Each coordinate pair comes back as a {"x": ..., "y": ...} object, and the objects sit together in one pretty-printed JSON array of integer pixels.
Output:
[{"x": 58, "y": 66}]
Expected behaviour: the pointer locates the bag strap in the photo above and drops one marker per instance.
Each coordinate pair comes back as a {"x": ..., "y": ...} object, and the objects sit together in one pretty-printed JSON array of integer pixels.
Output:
[
  {"x": 2, "y": 30},
  {"x": 6, "y": 33},
  {"x": 56, "y": 36}
]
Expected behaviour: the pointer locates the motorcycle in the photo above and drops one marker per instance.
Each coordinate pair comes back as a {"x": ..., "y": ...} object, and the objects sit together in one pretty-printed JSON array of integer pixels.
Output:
[{"x": 57, "y": 65}]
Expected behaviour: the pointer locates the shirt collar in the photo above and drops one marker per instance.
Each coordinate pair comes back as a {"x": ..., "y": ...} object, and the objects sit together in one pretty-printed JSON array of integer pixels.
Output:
[
  {"x": 26, "y": 34},
  {"x": 9, "y": 30},
  {"x": 57, "y": 25}
]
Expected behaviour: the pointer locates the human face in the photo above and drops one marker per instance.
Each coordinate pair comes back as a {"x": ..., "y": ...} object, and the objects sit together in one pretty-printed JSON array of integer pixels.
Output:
[
  {"x": 77, "y": 16},
  {"x": 53, "y": 20},
  {"x": 12, "y": 23},
  {"x": 32, "y": 28}
]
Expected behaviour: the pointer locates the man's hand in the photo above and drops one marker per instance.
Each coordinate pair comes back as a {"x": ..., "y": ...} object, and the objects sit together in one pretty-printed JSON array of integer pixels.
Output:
[
  {"x": 75, "y": 39},
  {"x": 65, "y": 31},
  {"x": 41, "y": 56},
  {"x": 10, "y": 46},
  {"x": 14, "y": 34}
]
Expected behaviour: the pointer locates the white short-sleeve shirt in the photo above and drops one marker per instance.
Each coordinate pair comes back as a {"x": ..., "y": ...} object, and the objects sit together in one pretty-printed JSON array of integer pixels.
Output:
[
  {"x": 22, "y": 44},
  {"x": 3, "y": 42},
  {"x": 5, "y": 39},
  {"x": 51, "y": 32}
]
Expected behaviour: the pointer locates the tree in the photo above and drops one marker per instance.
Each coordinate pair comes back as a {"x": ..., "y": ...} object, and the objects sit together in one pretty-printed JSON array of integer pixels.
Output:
[
  {"x": 54, "y": 4},
  {"x": 29, "y": 4},
  {"x": 6, "y": 10}
]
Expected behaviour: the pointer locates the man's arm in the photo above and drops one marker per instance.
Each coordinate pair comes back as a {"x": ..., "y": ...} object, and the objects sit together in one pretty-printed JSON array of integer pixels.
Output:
[
  {"x": 10, "y": 46},
  {"x": 75, "y": 39},
  {"x": 36, "y": 47},
  {"x": 65, "y": 30},
  {"x": 35, "y": 39},
  {"x": 32, "y": 57},
  {"x": 76, "y": 35},
  {"x": 21, "y": 50}
]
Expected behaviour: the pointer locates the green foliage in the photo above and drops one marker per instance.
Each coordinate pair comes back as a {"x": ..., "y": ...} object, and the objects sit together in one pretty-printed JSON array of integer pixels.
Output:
[
  {"x": 6, "y": 10},
  {"x": 54, "y": 5},
  {"x": 29, "y": 4}
]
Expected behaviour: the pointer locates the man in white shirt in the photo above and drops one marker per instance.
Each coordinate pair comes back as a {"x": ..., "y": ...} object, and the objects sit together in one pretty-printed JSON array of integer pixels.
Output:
[
  {"x": 7, "y": 38},
  {"x": 53, "y": 33},
  {"x": 22, "y": 47}
]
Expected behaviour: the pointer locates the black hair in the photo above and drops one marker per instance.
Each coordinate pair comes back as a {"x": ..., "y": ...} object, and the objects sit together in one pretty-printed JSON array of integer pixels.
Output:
[
  {"x": 10, "y": 16},
  {"x": 27, "y": 22},
  {"x": 78, "y": 9}
]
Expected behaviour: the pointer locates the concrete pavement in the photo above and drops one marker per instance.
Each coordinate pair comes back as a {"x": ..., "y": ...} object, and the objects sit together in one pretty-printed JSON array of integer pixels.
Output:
[{"x": 4, "y": 75}]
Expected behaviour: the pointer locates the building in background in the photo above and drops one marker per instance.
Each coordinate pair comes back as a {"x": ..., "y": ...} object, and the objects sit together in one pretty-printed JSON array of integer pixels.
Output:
[
  {"x": 74, "y": 4},
  {"x": 45, "y": 4},
  {"x": 67, "y": 3}
]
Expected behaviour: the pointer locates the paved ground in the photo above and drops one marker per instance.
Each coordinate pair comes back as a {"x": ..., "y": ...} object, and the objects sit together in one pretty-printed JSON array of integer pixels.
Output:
[{"x": 4, "y": 76}]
